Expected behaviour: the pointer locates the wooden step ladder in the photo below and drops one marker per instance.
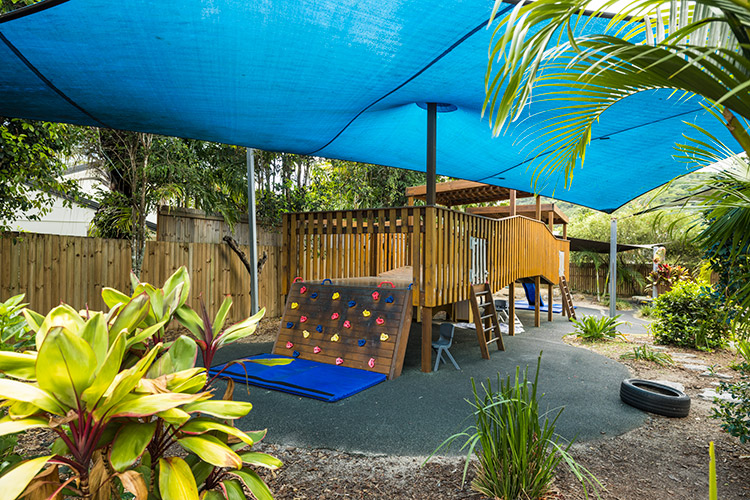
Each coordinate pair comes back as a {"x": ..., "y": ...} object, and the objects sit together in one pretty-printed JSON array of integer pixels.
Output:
[
  {"x": 485, "y": 318},
  {"x": 567, "y": 299}
]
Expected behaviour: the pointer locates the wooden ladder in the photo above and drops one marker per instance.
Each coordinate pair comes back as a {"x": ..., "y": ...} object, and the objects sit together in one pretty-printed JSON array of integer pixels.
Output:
[
  {"x": 567, "y": 299},
  {"x": 488, "y": 327}
]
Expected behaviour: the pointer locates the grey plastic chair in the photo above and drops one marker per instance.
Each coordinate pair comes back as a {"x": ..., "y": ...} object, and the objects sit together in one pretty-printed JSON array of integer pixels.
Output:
[{"x": 443, "y": 344}]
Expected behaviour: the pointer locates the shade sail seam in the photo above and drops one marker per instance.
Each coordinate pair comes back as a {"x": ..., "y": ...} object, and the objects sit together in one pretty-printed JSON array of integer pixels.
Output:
[
  {"x": 29, "y": 9},
  {"x": 545, "y": 153},
  {"x": 425, "y": 68},
  {"x": 46, "y": 81}
]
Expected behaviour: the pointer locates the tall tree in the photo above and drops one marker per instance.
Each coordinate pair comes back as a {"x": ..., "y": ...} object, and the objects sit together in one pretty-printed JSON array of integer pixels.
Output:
[{"x": 31, "y": 169}]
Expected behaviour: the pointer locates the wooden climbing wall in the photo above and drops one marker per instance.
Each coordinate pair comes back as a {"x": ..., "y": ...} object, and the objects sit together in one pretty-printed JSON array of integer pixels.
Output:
[{"x": 356, "y": 326}]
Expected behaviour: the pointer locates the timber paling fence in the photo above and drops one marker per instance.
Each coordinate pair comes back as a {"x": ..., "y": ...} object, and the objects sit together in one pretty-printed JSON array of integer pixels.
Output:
[
  {"x": 51, "y": 269},
  {"x": 583, "y": 279}
]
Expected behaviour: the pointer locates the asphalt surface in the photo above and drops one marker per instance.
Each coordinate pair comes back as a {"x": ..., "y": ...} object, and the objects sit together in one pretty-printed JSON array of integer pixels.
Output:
[{"x": 414, "y": 413}]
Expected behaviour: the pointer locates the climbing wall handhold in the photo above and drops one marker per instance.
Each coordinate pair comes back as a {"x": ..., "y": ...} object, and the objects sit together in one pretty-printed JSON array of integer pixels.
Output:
[
  {"x": 295, "y": 305},
  {"x": 319, "y": 328},
  {"x": 303, "y": 289},
  {"x": 351, "y": 303},
  {"x": 380, "y": 321},
  {"x": 371, "y": 363},
  {"x": 347, "y": 324},
  {"x": 339, "y": 361},
  {"x": 289, "y": 324},
  {"x": 316, "y": 349},
  {"x": 295, "y": 354},
  {"x": 361, "y": 342},
  {"x": 335, "y": 295},
  {"x": 314, "y": 296},
  {"x": 389, "y": 299},
  {"x": 335, "y": 337},
  {"x": 375, "y": 295},
  {"x": 366, "y": 313},
  {"x": 302, "y": 319},
  {"x": 305, "y": 333},
  {"x": 383, "y": 337},
  {"x": 335, "y": 316},
  {"x": 289, "y": 345}
]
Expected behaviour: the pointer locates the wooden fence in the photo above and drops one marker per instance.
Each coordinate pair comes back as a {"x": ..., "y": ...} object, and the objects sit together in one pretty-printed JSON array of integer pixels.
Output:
[
  {"x": 51, "y": 269},
  {"x": 583, "y": 279}
]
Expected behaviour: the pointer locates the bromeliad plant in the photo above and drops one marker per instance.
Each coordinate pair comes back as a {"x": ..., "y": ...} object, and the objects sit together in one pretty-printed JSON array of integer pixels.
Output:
[
  {"x": 591, "y": 328},
  {"x": 118, "y": 401}
]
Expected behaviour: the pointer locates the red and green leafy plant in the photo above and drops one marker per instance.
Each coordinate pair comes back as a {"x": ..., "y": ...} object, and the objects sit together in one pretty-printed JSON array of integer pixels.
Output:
[
  {"x": 119, "y": 401},
  {"x": 667, "y": 276}
]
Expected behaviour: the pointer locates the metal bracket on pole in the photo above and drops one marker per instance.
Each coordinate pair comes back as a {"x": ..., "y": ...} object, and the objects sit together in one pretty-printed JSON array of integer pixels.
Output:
[
  {"x": 613, "y": 268},
  {"x": 254, "y": 308}
]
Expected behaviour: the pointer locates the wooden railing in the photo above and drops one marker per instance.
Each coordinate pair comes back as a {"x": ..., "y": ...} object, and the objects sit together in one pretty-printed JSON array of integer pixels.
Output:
[{"x": 359, "y": 243}]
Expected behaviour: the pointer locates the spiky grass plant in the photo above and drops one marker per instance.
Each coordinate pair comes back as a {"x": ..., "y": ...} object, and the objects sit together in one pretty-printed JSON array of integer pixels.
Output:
[
  {"x": 645, "y": 353},
  {"x": 517, "y": 456},
  {"x": 591, "y": 328}
]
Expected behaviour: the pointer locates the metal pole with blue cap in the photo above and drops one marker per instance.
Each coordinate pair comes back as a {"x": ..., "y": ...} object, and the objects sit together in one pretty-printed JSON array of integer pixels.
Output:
[
  {"x": 254, "y": 307},
  {"x": 613, "y": 268}
]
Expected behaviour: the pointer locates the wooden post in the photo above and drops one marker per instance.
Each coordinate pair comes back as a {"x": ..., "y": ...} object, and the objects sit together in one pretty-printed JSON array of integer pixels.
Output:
[
  {"x": 549, "y": 302},
  {"x": 537, "y": 301},
  {"x": 431, "y": 152},
  {"x": 551, "y": 221},
  {"x": 512, "y": 202},
  {"x": 538, "y": 215},
  {"x": 426, "y": 339},
  {"x": 512, "y": 308},
  {"x": 565, "y": 231}
]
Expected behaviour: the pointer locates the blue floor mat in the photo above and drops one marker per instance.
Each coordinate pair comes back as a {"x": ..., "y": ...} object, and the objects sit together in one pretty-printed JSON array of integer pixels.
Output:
[
  {"x": 302, "y": 377},
  {"x": 522, "y": 304}
]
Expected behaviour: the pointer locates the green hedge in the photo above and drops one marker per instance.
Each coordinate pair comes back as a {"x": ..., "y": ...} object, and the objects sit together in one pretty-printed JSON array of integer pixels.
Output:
[{"x": 689, "y": 316}]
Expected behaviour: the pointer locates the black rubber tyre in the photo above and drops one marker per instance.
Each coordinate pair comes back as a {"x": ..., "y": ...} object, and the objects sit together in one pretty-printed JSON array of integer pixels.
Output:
[{"x": 654, "y": 397}]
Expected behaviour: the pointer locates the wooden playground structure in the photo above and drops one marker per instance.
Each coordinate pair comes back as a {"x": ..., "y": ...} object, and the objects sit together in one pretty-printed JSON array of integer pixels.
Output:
[{"x": 440, "y": 251}]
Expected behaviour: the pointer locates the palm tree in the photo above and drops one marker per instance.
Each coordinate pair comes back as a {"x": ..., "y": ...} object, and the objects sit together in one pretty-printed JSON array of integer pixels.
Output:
[{"x": 697, "y": 48}]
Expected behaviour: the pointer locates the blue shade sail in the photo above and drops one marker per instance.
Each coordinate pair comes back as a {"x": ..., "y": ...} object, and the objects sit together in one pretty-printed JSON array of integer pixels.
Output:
[{"x": 340, "y": 79}]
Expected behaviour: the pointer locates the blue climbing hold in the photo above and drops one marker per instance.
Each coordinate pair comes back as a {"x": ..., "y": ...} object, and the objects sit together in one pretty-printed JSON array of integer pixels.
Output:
[
  {"x": 389, "y": 299},
  {"x": 351, "y": 303},
  {"x": 319, "y": 328},
  {"x": 314, "y": 296},
  {"x": 295, "y": 354},
  {"x": 289, "y": 324},
  {"x": 361, "y": 342}
]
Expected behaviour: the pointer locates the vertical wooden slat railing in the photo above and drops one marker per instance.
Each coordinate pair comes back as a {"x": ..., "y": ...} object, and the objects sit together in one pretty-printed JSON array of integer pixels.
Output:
[{"x": 360, "y": 243}]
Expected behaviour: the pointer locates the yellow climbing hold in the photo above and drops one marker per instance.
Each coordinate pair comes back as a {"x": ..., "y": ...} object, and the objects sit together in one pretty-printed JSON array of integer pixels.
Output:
[
  {"x": 335, "y": 337},
  {"x": 295, "y": 305},
  {"x": 365, "y": 313},
  {"x": 335, "y": 295},
  {"x": 383, "y": 337},
  {"x": 305, "y": 333}
]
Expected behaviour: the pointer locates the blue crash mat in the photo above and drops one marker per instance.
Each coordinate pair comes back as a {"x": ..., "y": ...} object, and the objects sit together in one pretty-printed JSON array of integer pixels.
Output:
[
  {"x": 302, "y": 377},
  {"x": 530, "y": 290}
]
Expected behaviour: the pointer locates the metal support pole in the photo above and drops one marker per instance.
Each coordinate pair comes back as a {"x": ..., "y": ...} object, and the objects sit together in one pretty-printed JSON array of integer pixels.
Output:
[
  {"x": 613, "y": 268},
  {"x": 431, "y": 152},
  {"x": 254, "y": 308},
  {"x": 654, "y": 292}
]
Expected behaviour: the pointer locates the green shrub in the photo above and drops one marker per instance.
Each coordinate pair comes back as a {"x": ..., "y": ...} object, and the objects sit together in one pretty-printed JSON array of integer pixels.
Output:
[
  {"x": 646, "y": 310},
  {"x": 736, "y": 414},
  {"x": 687, "y": 316},
  {"x": 14, "y": 332},
  {"x": 130, "y": 412},
  {"x": 517, "y": 455},
  {"x": 647, "y": 354},
  {"x": 591, "y": 328}
]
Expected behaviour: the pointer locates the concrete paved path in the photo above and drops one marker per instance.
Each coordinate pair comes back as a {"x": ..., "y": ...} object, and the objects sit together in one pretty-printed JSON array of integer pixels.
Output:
[{"x": 413, "y": 414}]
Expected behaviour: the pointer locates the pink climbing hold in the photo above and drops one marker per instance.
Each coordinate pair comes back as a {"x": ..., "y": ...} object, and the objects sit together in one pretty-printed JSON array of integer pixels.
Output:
[
  {"x": 339, "y": 361},
  {"x": 375, "y": 295},
  {"x": 335, "y": 316},
  {"x": 371, "y": 363},
  {"x": 289, "y": 345},
  {"x": 316, "y": 349},
  {"x": 303, "y": 289},
  {"x": 380, "y": 321},
  {"x": 302, "y": 319},
  {"x": 347, "y": 324}
]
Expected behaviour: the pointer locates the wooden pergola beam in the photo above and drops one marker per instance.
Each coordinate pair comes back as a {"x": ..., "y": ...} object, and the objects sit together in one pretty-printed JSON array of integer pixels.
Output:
[
  {"x": 464, "y": 192},
  {"x": 526, "y": 210}
]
